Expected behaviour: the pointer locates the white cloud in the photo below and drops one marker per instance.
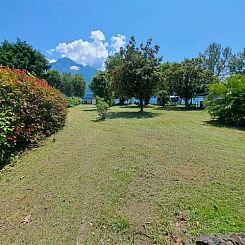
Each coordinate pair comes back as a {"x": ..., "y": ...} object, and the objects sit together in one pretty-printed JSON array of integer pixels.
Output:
[
  {"x": 93, "y": 52},
  {"x": 97, "y": 35},
  {"x": 50, "y": 61},
  {"x": 75, "y": 68},
  {"x": 117, "y": 42}
]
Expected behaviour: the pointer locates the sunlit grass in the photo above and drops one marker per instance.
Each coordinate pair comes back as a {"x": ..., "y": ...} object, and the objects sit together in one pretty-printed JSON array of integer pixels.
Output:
[{"x": 101, "y": 182}]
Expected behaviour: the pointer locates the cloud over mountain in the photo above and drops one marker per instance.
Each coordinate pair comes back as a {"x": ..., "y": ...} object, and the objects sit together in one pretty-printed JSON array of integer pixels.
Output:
[{"x": 93, "y": 52}]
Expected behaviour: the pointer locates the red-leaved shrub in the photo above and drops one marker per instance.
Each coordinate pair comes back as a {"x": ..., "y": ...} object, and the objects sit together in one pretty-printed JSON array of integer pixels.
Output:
[{"x": 31, "y": 109}]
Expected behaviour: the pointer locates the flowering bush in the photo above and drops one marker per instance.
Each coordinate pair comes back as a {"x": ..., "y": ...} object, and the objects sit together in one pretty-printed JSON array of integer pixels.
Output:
[{"x": 30, "y": 110}]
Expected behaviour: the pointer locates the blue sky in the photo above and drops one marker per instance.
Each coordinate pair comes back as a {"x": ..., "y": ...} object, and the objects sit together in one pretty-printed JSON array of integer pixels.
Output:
[{"x": 86, "y": 28}]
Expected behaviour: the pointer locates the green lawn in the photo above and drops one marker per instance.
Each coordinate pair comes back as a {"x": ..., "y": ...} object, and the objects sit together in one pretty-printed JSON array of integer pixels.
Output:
[{"x": 131, "y": 179}]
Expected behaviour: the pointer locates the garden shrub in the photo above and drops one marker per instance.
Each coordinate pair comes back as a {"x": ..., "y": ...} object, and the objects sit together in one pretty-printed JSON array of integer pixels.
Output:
[
  {"x": 226, "y": 100},
  {"x": 30, "y": 110},
  {"x": 73, "y": 101},
  {"x": 102, "y": 108}
]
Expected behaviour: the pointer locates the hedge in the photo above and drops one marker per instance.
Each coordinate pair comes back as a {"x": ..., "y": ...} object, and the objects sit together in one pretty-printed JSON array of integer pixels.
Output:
[{"x": 30, "y": 110}]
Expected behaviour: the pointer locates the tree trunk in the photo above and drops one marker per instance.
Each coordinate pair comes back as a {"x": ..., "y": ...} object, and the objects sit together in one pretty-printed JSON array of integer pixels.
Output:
[
  {"x": 147, "y": 100},
  {"x": 141, "y": 105},
  {"x": 186, "y": 104},
  {"x": 121, "y": 101}
]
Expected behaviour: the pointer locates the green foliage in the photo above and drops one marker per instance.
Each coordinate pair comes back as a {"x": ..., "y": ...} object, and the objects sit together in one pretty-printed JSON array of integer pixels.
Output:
[
  {"x": 163, "y": 97},
  {"x": 134, "y": 71},
  {"x": 102, "y": 108},
  {"x": 21, "y": 55},
  {"x": 7, "y": 119},
  {"x": 216, "y": 59},
  {"x": 73, "y": 85},
  {"x": 73, "y": 101},
  {"x": 237, "y": 63},
  {"x": 187, "y": 79},
  {"x": 30, "y": 110},
  {"x": 54, "y": 78},
  {"x": 101, "y": 87},
  {"x": 226, "y": 100}
]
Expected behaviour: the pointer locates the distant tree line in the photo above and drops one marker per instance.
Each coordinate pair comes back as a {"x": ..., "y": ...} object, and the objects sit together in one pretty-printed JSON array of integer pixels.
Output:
[
  {"x": 20, "y": 55},
  {"x": 137, "y": 71}
]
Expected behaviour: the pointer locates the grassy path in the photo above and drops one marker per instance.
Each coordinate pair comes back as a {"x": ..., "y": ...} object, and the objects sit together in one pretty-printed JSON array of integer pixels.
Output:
[{"x": 126, "y": 180}]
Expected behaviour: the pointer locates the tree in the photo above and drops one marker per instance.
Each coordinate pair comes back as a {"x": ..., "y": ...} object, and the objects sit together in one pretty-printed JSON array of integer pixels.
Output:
[
  {"x": 138, "y": 70},
  {"x": 216, "y": 59},
  {"x": 54, "y": 78},
  {"x": 188, "y": 78},
  {"x": 73, "y": 85},
  {"x": 21, "y": 55},
  {"x": 165, "y": 87},
  {"x": 113, "y": 69},
  {"x": 226, "y": 100},
  {"x": 237, "y": 63},
  {"x": 100, "y": 85}
]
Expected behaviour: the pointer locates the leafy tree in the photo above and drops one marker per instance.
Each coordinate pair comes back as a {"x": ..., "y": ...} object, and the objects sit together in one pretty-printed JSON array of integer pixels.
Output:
[
  {"x": 165, "y": 87},
  {"x": 73, "y": 85},
  {"x": 226, "y": 100},
  {"x": 113, "y": 69},
  {"x": 54, "y": 78},
  {"x": 216, "y": 59},
  {"x": 188, "y": 78},
  {"x": 138, "y": 70},
  {"x": 21, "y": 55},
  {"x": 237, "y": 63},
  {"x": 101, "y": 86}
]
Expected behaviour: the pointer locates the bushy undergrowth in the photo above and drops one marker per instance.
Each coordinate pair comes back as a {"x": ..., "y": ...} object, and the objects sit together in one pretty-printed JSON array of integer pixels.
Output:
[
  {"x": 226, "y": 100},
  {"x": 73, "y": 101},
  {"x": 30, "y": 110},
  {"x": 102, "y": 108}
]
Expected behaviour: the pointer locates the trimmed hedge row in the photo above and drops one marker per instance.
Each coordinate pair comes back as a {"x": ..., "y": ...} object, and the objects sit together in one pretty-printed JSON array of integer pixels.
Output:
[{"x": 30, "y": 110}]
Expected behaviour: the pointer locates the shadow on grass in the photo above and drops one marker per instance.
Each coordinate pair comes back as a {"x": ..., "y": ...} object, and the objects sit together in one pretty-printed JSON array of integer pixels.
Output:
[
  {"x": 94, "y": 109},
  {"x": 216, "y": 123},
  {"x": 131, "y": 115}
]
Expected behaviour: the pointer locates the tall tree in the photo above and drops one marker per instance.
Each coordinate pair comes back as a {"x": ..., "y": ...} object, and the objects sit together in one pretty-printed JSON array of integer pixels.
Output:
[
  {"x": 237, "y": 63},
  {"x": 188, "y": 78},
  {"x": 138, "y": 70},
  {"x": 21, "y": 55},
  {"x": 101, "y": 87},
  {"x": 113, "y": 69},
  {"x": 53, "y": 78},
  {"x": 73, "y": 85},
  {"x": 216, "y": 59}
]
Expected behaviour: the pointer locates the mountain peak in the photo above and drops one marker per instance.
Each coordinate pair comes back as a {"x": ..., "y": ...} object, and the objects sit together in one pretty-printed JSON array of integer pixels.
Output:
[{"x": 66, "y": 65}]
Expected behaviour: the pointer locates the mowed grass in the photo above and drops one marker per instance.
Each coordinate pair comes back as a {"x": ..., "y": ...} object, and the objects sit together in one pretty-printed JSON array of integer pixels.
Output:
[{"x": 131, "y": 179}]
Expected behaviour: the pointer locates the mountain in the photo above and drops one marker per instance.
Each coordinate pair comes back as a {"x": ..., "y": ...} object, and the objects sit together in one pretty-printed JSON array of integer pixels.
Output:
[{"x": 66, "y": 65}]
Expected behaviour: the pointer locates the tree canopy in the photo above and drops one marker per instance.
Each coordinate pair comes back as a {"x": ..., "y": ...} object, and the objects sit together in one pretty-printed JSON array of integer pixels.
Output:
[
  {"x": 136, "y": 72},
  {"x": 21, "y": 55},
  {"x": 100, "y": 85}
]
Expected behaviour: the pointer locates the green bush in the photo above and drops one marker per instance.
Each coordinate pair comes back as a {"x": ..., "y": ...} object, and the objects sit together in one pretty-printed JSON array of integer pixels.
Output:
[
  {"x": 73, "y": 101},
  {"x": 102, "y": 108},
  {"x": 226, "y": 100},
  {"x": 30, "y": 110}
]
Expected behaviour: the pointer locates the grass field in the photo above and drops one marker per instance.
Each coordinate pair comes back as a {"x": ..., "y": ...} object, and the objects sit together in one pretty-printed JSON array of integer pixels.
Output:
[{"x": 156, "y": 178}]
